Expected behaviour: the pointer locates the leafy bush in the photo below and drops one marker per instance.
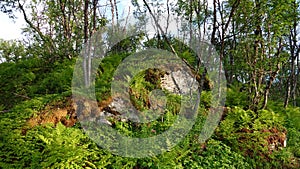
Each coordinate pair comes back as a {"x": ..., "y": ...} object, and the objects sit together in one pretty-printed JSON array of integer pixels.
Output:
[
  {"x": 236, "y": 96},
  {"x": 248, "y": 132},
  {"x": 24, "y": 80},
  {"x": 15, "y": 81},
  {"x": 292, "y": 122},
  {"x": 219, "y": 155},
  {"x": 189, "y": 154},
  {"x": 206, "y": 99},
  {"x": 105, "y": 74}
]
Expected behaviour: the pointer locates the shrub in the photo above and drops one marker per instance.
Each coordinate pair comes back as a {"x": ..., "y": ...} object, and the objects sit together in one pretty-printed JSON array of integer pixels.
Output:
[
  {"x": 248, "y": 132},
  {"x": 236, "y": 96}
]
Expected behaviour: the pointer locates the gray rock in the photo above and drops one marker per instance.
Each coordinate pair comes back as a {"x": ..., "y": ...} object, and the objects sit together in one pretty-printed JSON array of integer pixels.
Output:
[{"x": 179, "y": 82}]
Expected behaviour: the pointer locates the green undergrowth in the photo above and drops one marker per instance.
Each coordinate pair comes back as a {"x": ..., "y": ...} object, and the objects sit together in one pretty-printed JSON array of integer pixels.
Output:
[
  {"x": 58, "y": 146},
  {"x": 105, "y": 74},
  {"x": 238, "y": 142},
  {"x": 249, "y": 133},
  {"x": 33, "y": 77},
  {"x": 291, "y": 121}
]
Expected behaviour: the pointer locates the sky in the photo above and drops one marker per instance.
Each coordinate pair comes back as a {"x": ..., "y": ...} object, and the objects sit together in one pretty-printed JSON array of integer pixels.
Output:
[{"x": 11, "y": 29}]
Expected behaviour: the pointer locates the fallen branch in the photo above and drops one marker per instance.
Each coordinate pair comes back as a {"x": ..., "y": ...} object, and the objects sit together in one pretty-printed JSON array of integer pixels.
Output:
[
  {"x": 5, "y": 111},
  {"x": 23, "y": 96}
]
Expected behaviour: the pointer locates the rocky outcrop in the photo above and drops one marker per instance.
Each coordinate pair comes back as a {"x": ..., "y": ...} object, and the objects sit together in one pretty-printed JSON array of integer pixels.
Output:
[
  {"x": 176, "y": 82},
  {"x": 179, "y": 82}
]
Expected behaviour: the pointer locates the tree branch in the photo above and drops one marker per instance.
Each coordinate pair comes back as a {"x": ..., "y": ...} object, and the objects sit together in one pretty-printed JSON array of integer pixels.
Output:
[{"x": 44, "y": 38}]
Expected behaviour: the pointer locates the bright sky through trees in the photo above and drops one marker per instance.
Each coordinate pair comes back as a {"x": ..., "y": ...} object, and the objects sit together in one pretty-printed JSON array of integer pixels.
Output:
[{"x": 11, "y": 29}]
